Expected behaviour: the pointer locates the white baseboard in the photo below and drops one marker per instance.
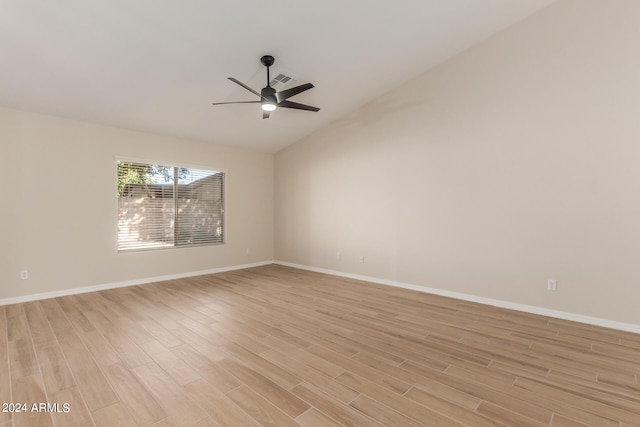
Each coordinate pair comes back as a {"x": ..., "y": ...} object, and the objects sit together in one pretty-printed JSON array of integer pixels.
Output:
[
  {"x": 102, "y": 287},
  {"x": 629, "y": 327}
]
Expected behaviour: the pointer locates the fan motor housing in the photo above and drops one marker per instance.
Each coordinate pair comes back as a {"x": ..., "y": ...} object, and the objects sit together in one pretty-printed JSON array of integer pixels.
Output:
[{"x": 269, "y": 94}]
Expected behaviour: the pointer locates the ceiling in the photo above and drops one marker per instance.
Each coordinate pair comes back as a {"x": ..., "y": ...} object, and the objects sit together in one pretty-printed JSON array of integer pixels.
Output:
[{"x": 156, "y": 65}]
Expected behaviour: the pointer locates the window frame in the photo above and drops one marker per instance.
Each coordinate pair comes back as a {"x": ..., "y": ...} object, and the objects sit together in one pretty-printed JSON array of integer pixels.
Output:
[{"x": 146, "y": 161}]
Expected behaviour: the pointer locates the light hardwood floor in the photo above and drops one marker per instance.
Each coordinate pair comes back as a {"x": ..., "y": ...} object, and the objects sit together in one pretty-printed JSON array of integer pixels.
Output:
[{"x": 276, "y": 346}]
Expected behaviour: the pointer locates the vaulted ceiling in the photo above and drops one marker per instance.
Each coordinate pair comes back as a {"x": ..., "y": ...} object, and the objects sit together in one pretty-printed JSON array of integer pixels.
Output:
[{"x": 157, "y": 65}]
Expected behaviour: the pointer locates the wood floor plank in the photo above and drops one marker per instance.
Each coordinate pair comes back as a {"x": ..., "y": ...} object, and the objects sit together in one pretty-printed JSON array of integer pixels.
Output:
[
  {"x": 68, "y": 303},
  {"x": 169, "y": 395},
  {"x": 443, "y": 405},
  {"x": 381, "y": 378},
  {"x": 573, "y": 398},
  {"x": 244, "y": 340},
  {"x": 218, "y": 406},
  {"x": 29, "y": 390},
  {"x": 128, "y": 351},
  {"x": 503, "y": 397},
  {"x": 560, "y": 421},
  {"x": 259, "y": 408},
  {"x": 167, "y": 422},
  {"x": 382, "y": 413},
  {"x": 548, "y": 399},
  {"x": 315, "y": 418},
  {"x": 22, "y": 358},
  {"x": 312, "y": 375},
  {"x": 204, "y": 423},
  {"x": 279, "y": 397},
  {"x": 318, "y": 363},
  {"x": 80, "y": 322},
  {"x": 94, "y": 387},
  {"x": 207, "y": 369},
  {"x": 90, "y": 380},
  {"x": 113, "y": 415},
  {"x": 103, "y": 353},
  {"x": 357, "y": 343},
  {"x": 17, "y": 327},
  {"x": 5, "y": 377},
  {"x": 416, "y": 411},
  {"x": 181, "y": 372},
  {"x": 408, "y": 351},
  {"x": 57, "y": 319},
  {"x": 334, "y": 409},
  {"x": 423, "y": 393},
  {"x": 281, "y": 376},
  {"x": 140, "y": 404},
  {"x": 73, "y": 415},
  {"x": 52, "y": 363},
  {"x": 481, "y": 374},
  {"x": 505, "y": 416},
  {"x": 161, "y": 334},
  {"x": 54, "y": 368},
  {"x": 41, "y": 333}
]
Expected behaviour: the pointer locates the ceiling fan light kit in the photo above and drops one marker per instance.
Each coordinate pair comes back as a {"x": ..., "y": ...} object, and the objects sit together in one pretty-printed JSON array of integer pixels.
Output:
[{"x": 269, "y": 98}]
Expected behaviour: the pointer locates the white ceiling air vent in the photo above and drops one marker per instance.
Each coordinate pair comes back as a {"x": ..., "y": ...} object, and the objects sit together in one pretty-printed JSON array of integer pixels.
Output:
[{"x": 282, "y": 81}]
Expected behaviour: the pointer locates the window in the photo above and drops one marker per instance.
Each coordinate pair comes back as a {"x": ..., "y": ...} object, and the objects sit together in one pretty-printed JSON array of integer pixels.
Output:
[{"x": 168, "y": 206}]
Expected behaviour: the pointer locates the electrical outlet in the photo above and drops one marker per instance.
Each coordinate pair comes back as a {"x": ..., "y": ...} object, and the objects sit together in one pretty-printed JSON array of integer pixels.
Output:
[
  {"x": 247, "y": 251},
  {"x": 362, "y": 259},
  {"x": 338, "y": 256},
  {"x": 552, "y": 285},
  {"x": 24, "y": 274}
]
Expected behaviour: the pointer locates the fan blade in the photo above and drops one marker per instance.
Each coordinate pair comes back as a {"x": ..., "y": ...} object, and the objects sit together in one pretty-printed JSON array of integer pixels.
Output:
[
  {"x": 265, "y": 114},
  {"x": 297, "y": 106},
  {"x": 288, "y": 93},
  {"x": 236, "y": 102},
  {"x": 236, "y": 81}
]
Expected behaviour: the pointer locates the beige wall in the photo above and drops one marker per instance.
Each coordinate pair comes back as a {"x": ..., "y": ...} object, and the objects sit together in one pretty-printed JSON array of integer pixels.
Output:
[
  {"x": 515, "y": 162},
  {"x": 58, "y": 215}
]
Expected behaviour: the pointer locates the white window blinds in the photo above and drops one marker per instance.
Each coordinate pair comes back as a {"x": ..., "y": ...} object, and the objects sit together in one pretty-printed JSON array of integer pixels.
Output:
[{"x": 168, "y": 206}]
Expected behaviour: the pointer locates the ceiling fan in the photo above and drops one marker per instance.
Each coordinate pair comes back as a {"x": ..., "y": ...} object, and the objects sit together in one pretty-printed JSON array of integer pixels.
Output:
[{"x": 269, "y": 98}]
